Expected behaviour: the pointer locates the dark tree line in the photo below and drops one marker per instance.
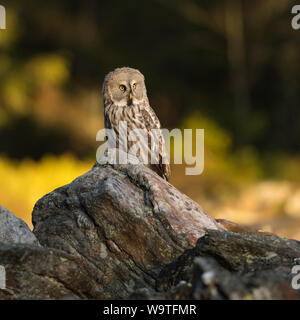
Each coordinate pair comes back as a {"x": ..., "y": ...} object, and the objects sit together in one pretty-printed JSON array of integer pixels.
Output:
[{"x": 235, "y": 61}]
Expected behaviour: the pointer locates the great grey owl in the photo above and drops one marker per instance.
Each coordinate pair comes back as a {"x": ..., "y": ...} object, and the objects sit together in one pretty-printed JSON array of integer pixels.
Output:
[{"x": 125, "y": 99}]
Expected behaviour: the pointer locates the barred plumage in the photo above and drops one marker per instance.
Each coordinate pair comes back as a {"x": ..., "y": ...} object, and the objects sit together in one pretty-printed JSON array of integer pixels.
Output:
[{"x": 125, "y": 99}]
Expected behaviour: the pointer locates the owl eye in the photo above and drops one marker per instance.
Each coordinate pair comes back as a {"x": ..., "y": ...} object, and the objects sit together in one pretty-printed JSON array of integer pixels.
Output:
[
  {"x": 134, "y": 86},
  {"x": 122, "y": 87}
]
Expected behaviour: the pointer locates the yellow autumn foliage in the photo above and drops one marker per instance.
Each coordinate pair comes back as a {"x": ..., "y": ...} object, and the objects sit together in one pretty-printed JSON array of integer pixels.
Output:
[{"x": 23, "y": 183}]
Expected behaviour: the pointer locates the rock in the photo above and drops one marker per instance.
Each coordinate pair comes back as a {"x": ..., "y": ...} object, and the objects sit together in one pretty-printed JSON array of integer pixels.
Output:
[
  {"x": 123, "y": 232},
  {"x": 34, "y": 272},
  {"x": 14, "y": 230},
  {"x": 124, "y": 220},
  {"x": 228, "y": 265}
]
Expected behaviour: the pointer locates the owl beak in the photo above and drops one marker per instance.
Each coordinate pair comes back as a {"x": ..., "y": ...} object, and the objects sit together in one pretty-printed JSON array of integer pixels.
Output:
[{"x": 130, "y": 96}]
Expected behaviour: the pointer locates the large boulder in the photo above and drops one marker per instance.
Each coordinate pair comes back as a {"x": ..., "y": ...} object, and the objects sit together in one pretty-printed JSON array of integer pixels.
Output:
[{"x": 125, "y": 220}]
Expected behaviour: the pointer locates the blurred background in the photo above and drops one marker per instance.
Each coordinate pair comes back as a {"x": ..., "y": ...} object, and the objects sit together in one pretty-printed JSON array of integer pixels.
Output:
[{"x": 230, "y": 67}]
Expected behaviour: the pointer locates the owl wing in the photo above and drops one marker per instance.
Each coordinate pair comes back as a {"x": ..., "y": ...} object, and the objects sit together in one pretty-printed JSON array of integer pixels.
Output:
[{"x": 151, "y": 121}]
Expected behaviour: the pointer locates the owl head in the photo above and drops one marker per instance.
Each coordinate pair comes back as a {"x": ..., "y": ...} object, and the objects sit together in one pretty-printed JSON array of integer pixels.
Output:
[{"x": 124, "y": 87}]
